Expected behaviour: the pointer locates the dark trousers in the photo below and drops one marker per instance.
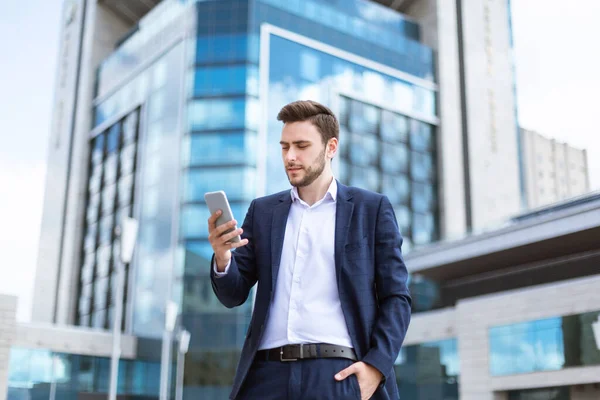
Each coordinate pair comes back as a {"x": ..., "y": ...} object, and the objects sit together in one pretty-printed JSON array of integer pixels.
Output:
[{"x": 311, "y": 379}]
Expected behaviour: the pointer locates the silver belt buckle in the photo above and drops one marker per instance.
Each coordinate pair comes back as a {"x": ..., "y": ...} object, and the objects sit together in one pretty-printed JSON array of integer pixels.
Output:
[{"x": 291, "y": 359}]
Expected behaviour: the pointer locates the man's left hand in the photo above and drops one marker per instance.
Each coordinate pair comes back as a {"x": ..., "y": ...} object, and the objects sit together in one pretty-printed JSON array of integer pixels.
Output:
[{"x": 368, "y": 378}]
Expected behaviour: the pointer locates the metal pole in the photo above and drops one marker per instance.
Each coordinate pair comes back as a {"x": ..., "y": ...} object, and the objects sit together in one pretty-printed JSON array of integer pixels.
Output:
[
  {"x": 116, "y": 348},
  {"x": 179, "y": 380},
  {"x": 53, "y": 384},
  {"x": 165, "y": 363}
]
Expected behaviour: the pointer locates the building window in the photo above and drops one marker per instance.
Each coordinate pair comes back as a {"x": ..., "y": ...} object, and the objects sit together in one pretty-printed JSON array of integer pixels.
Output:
[
  {"x": 390, "y": 153},
  {"x": 544, "y": 345},
  {"x": 32, "y": 372},
  {"x": 110, "y": 198},
  {"x": 429, "y": 368}
]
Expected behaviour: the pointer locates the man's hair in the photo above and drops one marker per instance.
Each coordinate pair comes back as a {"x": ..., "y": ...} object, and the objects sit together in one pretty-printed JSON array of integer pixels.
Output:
[{"x": 319, "y": 115}]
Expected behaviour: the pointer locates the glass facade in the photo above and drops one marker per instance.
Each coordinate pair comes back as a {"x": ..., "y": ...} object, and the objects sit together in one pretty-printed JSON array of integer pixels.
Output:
[
  {"x": 35, "y": 374},
  {"x": 199, "y": 111},
  {"x": 429, "y": 371},
  {"x": 544, "y": 345},
  {"x": 380, "y": 149},
  {"x": 110, "y": 198},
  {"x": 361, "y": 27}
]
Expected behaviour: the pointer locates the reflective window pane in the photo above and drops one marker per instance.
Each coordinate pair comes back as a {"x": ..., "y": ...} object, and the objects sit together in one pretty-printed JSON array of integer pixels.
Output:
[
  {"x": 414, "y": 363},
  {"x": 87, "y": 268},
  {"x": 98, "y": 319},
  {"x": 103, "y": 265},
  {"x": 218, "y": 149},
  {"x": 544, "y": 345},
  {"x": 423, "y": 228},
  {"x": 98, "y": 149},
  {"x": 214, "y": 48},
  {"x": 364, "y": 118},
  {"x": 421, "y": 136},
  {"x": 421, "y": 166},
  {"x": 89, "y": 243},
  {"x": 92, "y": 210},
  {"x": 217, "y": 114},
  {"x": 130, "y": 126},
  {"x": 218, "y": 81},
  {"x": 394, "y": 158},
  {"x": 364, "y": 149},
  {"x": 424, "y": 100},
  {"x": 394, "y": 127},
  {"x": 366, "y": 178},
  {"x": 403, "y": 219},
  {"x": 396, "y": 188},
  {"x": 110, "y": 169},
  {"x": 108, "y": 199},
  {"x": 95, "y": 180},
  {"x": 100, "y": 292},
  {"x": 344, "y": 142},
  {"x": 423, "y": 199},
  {"x": 113, "y": 138},
  {"x": 84, "y": 305},
  {"x": 309, "y": 65},
  {"x": 344, "y": 111},
  {"x": 106, "y": 230},
  {"x": 125, "y": 190},
  {"x": 128, "y": 159}
]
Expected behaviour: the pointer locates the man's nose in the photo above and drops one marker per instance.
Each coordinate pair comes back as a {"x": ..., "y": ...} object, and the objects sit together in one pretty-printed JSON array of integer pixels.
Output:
[{"x": 291, "y": 155}]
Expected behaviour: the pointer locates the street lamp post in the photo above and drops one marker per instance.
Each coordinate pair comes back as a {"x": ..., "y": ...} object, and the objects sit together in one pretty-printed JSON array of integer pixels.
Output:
[
  {"x": 127, "y": 234},
  {"x": 165, "y": 361},
  {"x": 184, "y": 344}
]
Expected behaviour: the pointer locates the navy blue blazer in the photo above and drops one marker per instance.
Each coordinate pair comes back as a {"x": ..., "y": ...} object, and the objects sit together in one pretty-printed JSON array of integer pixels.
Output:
[{"x": 371, "y": 277}]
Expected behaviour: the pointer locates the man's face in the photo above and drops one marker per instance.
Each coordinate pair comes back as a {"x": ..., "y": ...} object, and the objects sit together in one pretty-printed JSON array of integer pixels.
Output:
[{"x": 304, "y": 153}]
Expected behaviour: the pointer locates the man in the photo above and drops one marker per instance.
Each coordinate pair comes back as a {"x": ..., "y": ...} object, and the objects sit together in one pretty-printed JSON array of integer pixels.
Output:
[{"x": 332, "y": 306}]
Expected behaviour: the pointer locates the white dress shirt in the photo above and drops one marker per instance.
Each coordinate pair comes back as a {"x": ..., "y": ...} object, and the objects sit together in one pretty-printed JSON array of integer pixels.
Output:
[{"x": 306, "y": 306}]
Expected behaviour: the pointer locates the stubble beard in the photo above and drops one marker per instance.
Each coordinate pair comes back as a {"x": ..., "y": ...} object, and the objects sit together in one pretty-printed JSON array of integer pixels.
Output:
[{"x": 312, "y": 172}]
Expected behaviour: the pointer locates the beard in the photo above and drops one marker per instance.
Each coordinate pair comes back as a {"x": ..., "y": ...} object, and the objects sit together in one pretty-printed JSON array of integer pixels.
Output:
[{"x": 311, "y": 173}]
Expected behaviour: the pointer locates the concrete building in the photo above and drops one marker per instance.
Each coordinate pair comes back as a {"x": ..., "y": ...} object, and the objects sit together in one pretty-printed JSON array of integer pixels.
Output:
[
  {"x": 554, "y": 171},
  {"x": 521, "y": 304}
]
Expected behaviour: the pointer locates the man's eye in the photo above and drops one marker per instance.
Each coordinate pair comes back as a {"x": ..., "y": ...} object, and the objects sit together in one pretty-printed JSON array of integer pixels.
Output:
[
  {"x": 303, "y": 146},
  {"x": 285, "y": 148}
]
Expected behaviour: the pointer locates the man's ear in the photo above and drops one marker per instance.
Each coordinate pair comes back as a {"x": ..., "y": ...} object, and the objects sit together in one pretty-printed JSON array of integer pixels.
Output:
[{"x": 332, "y": 147}]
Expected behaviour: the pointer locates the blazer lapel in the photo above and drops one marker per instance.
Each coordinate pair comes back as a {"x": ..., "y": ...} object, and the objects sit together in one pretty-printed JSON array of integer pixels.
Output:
[
  {"x": 280, "y": 215},
  {"x": 343, "y": 216}
]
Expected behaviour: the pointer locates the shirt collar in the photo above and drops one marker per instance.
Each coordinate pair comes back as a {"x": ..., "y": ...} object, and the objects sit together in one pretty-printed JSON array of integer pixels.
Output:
[{"x": 331, "y": 192}]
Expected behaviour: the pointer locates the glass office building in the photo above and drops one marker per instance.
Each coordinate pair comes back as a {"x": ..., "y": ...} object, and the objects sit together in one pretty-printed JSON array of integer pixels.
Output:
[{"x": 187, "y": 104}]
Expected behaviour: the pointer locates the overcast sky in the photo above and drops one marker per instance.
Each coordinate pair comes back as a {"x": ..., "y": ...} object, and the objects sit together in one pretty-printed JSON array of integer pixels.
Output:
[{"x": 557, "y": 83}]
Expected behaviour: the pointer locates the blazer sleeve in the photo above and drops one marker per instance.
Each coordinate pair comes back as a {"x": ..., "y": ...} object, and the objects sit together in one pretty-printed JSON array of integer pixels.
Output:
[
  {"x": 393, "y": 296},
  {"x": 233, "y": 288}
]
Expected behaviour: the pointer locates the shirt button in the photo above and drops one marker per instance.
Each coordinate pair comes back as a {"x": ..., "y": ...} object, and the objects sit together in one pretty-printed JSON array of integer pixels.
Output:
[{"x": 297, "y": 279}]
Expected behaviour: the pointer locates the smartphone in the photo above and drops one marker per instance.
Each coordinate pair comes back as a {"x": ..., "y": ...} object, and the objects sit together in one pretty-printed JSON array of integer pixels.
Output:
[{"x": 218, "y": 201}]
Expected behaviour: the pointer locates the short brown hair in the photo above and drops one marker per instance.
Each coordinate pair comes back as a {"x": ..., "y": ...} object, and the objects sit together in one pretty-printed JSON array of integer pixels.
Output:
[{"x": 319, "y": 115}]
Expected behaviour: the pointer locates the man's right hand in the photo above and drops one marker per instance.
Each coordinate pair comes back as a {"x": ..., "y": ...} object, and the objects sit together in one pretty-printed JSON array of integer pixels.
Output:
[{"x": 220, "y": 243}]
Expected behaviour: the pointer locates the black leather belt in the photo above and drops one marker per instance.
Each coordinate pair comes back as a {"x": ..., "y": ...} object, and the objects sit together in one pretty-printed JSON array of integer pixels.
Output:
[{"x": 294, "y": 352}]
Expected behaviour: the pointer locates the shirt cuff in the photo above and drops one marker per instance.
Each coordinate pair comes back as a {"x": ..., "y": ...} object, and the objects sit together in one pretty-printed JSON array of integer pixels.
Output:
[{"x": 219, "y": 274}]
